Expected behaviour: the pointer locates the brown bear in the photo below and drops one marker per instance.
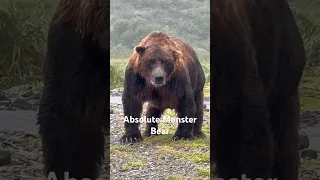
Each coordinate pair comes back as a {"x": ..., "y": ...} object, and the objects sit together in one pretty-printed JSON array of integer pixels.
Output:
[
  {"x": 75, "y": 101},
  {"x": 258, "y": 60},
  {"x": 165, "y": 72}
]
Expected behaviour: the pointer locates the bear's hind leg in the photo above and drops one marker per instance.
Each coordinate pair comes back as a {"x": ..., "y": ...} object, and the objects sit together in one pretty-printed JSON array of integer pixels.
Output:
[
  {"x": 186, "y": 108},
  {"x": 154, "y": 113},
  {"x": 285, "y": 120},
  {"x": 70, "y": 147},
  {"x": 199, "y": 115}
]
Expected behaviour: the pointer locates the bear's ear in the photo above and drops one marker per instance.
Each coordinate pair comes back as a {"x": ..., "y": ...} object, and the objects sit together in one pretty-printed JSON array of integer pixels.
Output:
[
  {"x": 176, "y": 54},
  {"x": 140, "y": 49}
]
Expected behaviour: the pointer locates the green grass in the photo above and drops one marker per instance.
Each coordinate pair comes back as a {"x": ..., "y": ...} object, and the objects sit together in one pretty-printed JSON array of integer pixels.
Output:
[
  {"x": 175, "y": 177},
  {"x": 197, "y": 157},
  {"x": 117, "y": 69},
  {"x": 310, "y": 93},
  {"x": 204, "y": 171},
  {"x": 121, "y": 148},
  {"x": 22, "y": 36},
  {"x": 132, "y": 165},
  {"x": 312, "y": 163}
]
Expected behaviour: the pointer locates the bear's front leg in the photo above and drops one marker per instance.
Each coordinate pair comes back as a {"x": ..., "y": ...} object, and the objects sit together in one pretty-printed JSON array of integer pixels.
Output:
[
  {"x": 132, "y": 109},
  {"x": 186, "y": 108}
]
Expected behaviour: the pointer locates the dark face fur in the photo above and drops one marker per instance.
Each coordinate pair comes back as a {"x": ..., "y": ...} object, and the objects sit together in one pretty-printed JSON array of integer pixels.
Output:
[{"x": 158, "y": 64}]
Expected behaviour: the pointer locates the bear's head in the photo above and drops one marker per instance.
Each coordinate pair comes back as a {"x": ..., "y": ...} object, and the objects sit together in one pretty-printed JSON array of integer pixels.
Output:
[{"x": 156, "y": 63}]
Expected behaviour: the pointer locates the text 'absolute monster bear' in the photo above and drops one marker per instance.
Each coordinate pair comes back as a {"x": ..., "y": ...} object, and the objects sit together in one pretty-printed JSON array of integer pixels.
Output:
[
  {"x": 258, "y": 60},
  {"x": 165, "y": 72},
  {"x": 75, "y": 101}
]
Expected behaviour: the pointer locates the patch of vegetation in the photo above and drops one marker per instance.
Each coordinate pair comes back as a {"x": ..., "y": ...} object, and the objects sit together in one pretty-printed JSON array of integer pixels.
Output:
[
  {"x": 175, "y": 177},
  {"x": 121, "y": 148},
  {"x": 206, "y": 90},
  {"x": 204, "y": 171},
  {"x": 309, "y": 104},
  {"x": 22, "y": 36},
  {"x": 139, "y": 157},
  {"x": 311, "y": 163},
  {"x": 197, "y": 157},
  {"x": 132, "y": 165},
  {"x": 170, "y": 113},
  {"x": 167, "y": 138},
  {"x": 181, "y": 149},
  {"x": 310, "y": 93},
  {"x": 117, "y": 70}
]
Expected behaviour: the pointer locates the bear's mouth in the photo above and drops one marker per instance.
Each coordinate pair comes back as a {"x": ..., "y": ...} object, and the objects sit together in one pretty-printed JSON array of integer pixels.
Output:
[{"x": 157, "y": 84}]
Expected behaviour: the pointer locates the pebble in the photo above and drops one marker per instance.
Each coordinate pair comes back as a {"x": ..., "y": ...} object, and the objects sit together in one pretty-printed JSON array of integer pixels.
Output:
[
  {"x": 304, "y": 140},
  {"x": 5, "y": 157},
  {"x": 21, "y": 104},
  {"x": 309, "y": 153}
]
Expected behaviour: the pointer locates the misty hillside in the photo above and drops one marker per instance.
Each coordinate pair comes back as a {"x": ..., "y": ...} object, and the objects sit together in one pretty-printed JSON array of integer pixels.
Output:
[{"x": 186, "y": 19}]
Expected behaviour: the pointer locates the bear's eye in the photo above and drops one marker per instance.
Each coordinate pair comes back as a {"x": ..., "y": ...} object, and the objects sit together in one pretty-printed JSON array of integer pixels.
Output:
[
  {"x": 165, "y": 61},
  {"x": 152, "y": 61}
]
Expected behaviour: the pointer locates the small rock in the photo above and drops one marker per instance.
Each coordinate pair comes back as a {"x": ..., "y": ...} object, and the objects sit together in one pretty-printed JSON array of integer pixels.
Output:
[
  {"x": 2, "y": 108},
  {"x": 5, "y": 157},
  {"x": 27, "y": 154},
  {"x": 5, "y": 102},
  {"x": 304, "y": 140},
  {"x": 34, "y": 102},
  {"x": 27, "y": 94},
  {"x": 111, "y": 111},
  {"x": 11, "y": 108},
  {"x": 3, "y": 96},
  {"x": 309, "y": 175},
  {"x": 118, "y": 94},
  {"x": 309, "y": 153},
  {"x": 40, "y": 159},
  {"x": 21, "y": 104},
  {"x": 36, "y": 96}
]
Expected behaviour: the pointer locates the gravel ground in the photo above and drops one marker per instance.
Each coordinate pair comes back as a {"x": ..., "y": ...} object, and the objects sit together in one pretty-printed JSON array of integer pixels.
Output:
[
  {"x": 159, "y": 160},
  {"x": 26, "y": 156}
]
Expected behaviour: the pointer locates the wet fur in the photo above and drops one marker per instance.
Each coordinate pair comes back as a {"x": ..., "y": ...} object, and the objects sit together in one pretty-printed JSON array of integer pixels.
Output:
[
  {"x": 183, "y": 91},
  {"x": 75, "y": 101},
  {"x": 258, "y": 60}
]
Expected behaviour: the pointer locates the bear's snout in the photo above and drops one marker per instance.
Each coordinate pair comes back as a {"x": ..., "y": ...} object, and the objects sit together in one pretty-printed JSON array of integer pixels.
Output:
[{"x": 158, "y": 77}]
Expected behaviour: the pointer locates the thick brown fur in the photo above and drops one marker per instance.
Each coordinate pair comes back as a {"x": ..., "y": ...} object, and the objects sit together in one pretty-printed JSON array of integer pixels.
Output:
[
  {"x": 88, "y": 16},
  {"x": 258, "y": 60},
  {"x": 75, "y": 101},
  {"x": 183, "y": 90}
]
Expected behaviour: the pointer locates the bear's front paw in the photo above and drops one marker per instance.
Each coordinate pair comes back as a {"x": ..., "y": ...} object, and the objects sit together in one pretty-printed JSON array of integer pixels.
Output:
[
  {"x": 179, "y": 135},
  {"x": 131, "y": 137},
  {"x": 199, "y": 134},
  {"x": 146, "y": 134}
]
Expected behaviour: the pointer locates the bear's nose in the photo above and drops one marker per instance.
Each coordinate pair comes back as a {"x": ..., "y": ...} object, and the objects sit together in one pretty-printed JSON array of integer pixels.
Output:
[{"x": 159, "y": 79}]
